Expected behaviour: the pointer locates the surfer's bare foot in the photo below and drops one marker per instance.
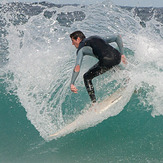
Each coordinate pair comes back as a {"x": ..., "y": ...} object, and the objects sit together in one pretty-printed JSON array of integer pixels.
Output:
[
  {"x": 92, "y": 108},
  {"x": 93, "y": 104}
]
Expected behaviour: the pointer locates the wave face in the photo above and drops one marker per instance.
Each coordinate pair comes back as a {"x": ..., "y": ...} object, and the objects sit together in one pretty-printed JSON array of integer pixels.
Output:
[{"x": 36, "y": 61}]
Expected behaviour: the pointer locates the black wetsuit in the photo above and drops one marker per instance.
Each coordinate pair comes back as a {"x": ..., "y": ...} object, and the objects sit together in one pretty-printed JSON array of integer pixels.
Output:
[{"x": 105, "y": 53}]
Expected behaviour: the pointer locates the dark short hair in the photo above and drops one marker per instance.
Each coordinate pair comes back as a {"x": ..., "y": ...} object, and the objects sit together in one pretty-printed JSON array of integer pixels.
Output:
[{"x": 77, "y": 34}]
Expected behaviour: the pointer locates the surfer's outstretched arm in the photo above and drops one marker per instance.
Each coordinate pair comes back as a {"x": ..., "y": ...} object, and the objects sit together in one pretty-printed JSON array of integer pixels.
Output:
[
  {"x": 83, "y": 51},
  {"x": 76, "y": 70}
]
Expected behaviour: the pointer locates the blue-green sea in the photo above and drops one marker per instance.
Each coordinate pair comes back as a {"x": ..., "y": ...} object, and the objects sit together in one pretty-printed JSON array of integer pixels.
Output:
[{"x": 36, "y": 63}]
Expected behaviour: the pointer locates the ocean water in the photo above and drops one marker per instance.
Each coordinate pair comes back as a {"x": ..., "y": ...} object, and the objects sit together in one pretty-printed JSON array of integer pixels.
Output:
[{"x": 36, "y": 63}]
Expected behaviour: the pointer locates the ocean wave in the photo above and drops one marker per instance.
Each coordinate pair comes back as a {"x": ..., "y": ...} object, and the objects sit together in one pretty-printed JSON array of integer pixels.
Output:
[{"x": 37, "y": 51}]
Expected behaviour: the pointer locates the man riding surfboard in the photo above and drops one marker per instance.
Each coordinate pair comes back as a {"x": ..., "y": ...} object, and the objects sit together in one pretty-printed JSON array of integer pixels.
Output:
[{"x": 98, "y": 47}]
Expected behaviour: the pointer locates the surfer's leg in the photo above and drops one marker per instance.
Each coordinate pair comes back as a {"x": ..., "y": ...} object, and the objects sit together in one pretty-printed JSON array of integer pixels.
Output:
[{"x": 96, "y": 70}]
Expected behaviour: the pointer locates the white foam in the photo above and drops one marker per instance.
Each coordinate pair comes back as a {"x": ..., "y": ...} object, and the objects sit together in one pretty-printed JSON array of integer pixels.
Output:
[{"x": 42, "y": 67}]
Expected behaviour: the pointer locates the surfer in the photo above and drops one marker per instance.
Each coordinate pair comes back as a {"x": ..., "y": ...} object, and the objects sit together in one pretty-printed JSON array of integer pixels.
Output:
[{"x": 97, "y": 47}]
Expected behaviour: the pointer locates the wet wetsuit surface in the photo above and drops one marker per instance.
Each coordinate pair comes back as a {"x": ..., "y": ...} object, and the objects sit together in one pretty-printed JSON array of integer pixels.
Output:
[{"x": 105, "y": 53}]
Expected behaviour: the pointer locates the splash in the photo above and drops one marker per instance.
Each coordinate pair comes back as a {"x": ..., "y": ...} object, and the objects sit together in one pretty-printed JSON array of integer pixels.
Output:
[{"x": 40, "y": 60}]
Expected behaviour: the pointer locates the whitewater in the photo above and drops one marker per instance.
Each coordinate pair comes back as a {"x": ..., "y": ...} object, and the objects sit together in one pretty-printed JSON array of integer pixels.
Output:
[{"x": 36, "y": 61}]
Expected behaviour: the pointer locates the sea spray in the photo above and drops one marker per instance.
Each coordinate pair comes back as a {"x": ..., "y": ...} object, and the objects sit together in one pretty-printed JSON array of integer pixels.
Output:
[{"x": 41, "y": 60}]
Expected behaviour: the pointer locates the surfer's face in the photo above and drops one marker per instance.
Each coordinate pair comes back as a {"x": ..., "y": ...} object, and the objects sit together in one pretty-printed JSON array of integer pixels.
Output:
[{"x": 76, "y": 42}]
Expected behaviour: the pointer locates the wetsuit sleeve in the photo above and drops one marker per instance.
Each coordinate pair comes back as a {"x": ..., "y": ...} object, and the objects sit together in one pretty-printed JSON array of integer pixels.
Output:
[
  {"x": 79, "y": 60},
  {"x": 118, "y": 40}
]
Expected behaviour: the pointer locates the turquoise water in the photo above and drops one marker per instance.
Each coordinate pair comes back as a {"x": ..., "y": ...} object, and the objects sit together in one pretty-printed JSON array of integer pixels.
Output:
[
  {"x": 35, "y": 99},
  {"x": 131, "y": 136}
]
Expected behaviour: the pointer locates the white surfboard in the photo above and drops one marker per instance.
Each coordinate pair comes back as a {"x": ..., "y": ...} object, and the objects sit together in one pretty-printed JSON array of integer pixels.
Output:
[
  {"x": 110, "y": 100},
  {"x": 99, "y": 108}
]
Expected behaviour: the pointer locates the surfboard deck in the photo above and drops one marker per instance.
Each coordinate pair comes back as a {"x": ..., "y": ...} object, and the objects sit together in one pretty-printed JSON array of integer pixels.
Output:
[
  {"x": 101, "y": 108},
  {"x": 110, "y": 100}
]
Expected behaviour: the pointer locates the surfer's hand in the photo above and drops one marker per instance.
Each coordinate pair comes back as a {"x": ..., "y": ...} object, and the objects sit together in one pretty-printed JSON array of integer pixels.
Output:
[
  {"x": 123, "y": 59},
  {"x": 74, "y": 89}
]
